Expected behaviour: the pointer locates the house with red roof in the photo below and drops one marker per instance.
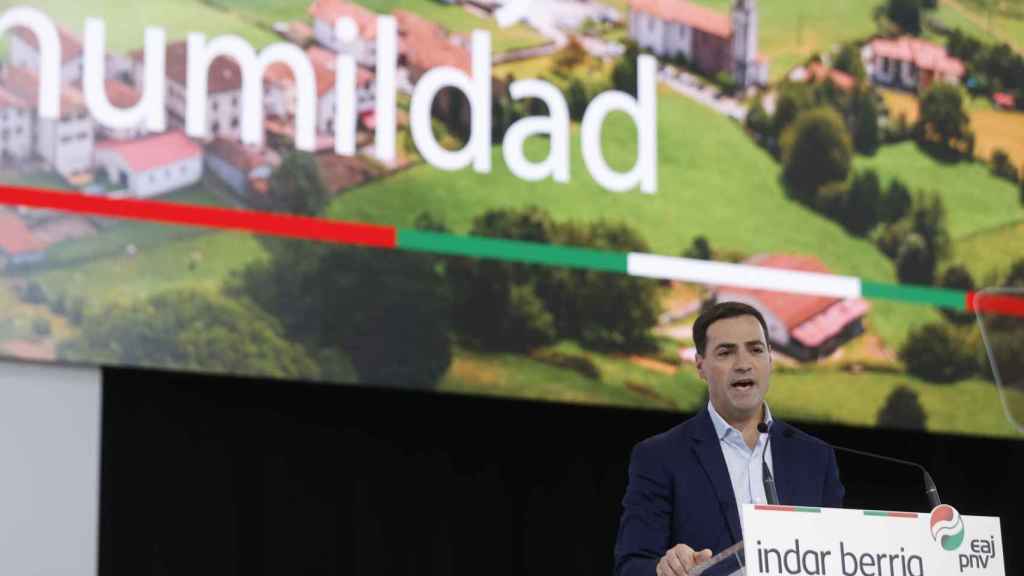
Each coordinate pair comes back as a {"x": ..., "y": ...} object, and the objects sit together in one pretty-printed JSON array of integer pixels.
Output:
[
  {"x": 224, "y": 90},
  {"x": 15, "y": 127},
  {"x": 818, "y": 73},
  {"x": 280, "y": 97},
  {"x": 17, "y": 243},
  {"x": 65, "y": 142},
  {"x": 326, "y": 12},
  {"x": 121, "y": 95},
  {"x": 23, "y": 51},
  {"x": 152, "y": 165},
  {"x": 423, "y": 45},
  {"x": 245, "y": 169},
  {"x": 910, "y": 63},
  {"x": 710, "y": 41},
  {"x": 802, "y": 326}
]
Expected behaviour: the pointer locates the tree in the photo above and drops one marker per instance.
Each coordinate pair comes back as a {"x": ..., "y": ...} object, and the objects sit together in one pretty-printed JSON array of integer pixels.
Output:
[
  {"x": 611, "y": 311},
  {"x": 866, "y": 135},
  {"x": 700, "y": 249},
  {"x": 896, "y": 202},
  {"x": 957, "y": 277},
  {"x": 792, "y": 100},
  {"x": 498, "y": 300},
  {"x": 624, "y": 72},
  {"x": 848, "y": 60},
  {"x": 863, "y": 203},
  {"x": 816, "y": 149},
  {"x": 928, "y": 218},
  {"x": 296, "y": 186},
  {"x": 906, "y": 14},
  {"x": 892, "y": 237},
  {"x": 943, "y": 118},
  {"x": 935, "y": 352},
  {"x": 189, "y": 330},
  {"x": 495, "y": 312},
  {"x": 758, "y": 121},
  {"x": 577, "y": 99},
  {"x": 915, "y": 263},
  {"x": 389, "y": 312},
  {"x": 1002, "y": 166},
  {"x": 902, "y": 409}
]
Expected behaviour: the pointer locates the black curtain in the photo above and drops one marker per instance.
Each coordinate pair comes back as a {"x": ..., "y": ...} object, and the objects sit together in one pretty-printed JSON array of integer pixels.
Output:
[{"x": 217, "y": 475}]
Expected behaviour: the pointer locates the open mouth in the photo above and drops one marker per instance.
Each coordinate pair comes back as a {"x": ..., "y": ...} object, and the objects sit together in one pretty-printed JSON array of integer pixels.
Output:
[{"x": 744, "y": 384}]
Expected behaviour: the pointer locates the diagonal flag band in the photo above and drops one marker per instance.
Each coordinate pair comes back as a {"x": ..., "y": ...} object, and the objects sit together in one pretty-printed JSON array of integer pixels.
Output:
[{"x": 633, "y": 264}]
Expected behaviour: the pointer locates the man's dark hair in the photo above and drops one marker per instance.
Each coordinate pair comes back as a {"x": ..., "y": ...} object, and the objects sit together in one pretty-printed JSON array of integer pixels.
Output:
[{"x": 721, "y": 311}]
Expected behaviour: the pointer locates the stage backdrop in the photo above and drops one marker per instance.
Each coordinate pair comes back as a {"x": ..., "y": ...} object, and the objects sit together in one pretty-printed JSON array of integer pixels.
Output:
[{"x": 523, "y": 198}]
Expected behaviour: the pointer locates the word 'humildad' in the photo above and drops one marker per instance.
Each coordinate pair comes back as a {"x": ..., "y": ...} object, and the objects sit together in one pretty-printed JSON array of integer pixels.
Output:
[{"x": 150, "y": 111}]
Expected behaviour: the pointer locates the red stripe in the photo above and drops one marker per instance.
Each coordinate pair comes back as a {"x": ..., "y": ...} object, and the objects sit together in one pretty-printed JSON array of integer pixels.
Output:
[
  {"x": 903, "y": 514},
  {"x": 1001, "y": 304},
  {"x": 272, "y": 224},
  {"x": 776, "y": 507}
]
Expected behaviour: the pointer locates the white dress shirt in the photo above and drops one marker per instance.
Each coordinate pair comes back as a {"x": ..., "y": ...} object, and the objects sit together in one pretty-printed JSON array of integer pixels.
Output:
[{"x": 743, "y": 462}]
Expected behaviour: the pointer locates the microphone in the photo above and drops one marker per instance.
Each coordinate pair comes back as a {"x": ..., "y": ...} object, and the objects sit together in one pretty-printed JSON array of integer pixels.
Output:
[
  {"x": 766, "y": 475},
  {"x": 931, "y": 492}
]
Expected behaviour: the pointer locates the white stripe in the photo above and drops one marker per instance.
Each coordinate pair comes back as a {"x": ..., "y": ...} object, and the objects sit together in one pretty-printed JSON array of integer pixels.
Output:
[{"x": 742, "y": 276}]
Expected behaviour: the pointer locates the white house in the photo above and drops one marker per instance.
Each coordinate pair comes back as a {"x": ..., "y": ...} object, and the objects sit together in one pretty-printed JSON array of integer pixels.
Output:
[
  {"x": 326, "y": 12},
  {"x": 23, "y": 51},
  {"x": 224, "y": 89},
  {"x": 245, "y": 169},
  {"x": 910, "y": 63},
  {"x": 65, "y": 143},
  {"x": 152, "y": 165},
  {"x": 280, "y": 94},
  {"x": 710, "y": 41},
  {"x": 15, "y": 127}
]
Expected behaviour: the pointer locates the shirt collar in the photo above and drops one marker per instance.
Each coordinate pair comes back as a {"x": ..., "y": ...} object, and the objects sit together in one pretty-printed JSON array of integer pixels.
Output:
[{"x": 722, "y": 427}]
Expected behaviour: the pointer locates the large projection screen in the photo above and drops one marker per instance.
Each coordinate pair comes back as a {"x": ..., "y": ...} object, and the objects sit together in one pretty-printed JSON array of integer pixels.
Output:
[{"x": 521, "y": 198}]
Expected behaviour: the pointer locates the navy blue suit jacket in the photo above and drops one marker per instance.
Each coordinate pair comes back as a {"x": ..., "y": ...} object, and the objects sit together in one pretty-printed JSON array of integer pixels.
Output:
[{"x": 679, "y": 490}]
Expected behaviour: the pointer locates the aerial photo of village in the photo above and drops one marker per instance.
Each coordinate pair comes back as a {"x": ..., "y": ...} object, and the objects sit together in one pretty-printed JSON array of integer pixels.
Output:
[{"x": 878, "y": 139}]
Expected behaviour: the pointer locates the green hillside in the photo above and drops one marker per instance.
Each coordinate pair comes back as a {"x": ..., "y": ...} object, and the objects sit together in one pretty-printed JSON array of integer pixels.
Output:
[{"x": 975, "y": 199}]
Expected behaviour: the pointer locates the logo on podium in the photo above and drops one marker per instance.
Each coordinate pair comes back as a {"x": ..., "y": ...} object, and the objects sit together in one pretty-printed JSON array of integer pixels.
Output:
[{"x": 947, "y": 527}]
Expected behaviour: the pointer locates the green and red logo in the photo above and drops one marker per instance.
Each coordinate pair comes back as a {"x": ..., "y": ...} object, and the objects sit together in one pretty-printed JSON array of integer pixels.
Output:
[{"x": 947, "y": 527}]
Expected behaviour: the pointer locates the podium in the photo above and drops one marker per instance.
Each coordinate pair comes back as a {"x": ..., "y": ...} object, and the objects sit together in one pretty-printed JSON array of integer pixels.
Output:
[{"x": 810, "y": 541}]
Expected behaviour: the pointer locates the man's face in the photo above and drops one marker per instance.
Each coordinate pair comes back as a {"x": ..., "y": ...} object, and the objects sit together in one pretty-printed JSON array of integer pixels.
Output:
[{"x": 737, "y": 366}]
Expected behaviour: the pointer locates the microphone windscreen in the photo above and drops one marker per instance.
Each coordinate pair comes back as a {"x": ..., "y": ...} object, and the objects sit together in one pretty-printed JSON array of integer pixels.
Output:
[{"x": 762, "y": 427}]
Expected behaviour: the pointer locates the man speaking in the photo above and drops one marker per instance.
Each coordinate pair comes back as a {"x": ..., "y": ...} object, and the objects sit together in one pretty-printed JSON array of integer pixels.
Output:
[{"x": 687, "y": 485}]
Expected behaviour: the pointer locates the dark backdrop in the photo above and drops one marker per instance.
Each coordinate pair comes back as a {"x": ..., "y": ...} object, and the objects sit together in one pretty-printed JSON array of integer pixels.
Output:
[{"x": 213, "y": 475}]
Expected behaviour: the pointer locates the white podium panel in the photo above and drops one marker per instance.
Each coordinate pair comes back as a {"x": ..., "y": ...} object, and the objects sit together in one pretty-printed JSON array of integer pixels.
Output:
[{"x": 800, "y": 541}]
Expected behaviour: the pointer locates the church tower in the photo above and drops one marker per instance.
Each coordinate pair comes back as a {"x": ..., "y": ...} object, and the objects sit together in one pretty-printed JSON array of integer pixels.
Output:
[{"x": 744, "y": 41}]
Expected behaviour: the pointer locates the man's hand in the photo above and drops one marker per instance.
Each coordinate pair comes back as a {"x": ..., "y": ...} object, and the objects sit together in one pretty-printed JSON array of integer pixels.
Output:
[{"x": 680, "y": 559}]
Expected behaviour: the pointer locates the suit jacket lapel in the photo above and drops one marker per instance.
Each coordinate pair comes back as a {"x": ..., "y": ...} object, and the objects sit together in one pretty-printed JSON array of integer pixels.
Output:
[
  {"x": 782, "y": 456},
  {"x": 709, "y": 454}
]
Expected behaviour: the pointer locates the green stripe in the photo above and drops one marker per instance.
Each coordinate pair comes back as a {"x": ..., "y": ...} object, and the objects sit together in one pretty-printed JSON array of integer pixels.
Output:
[
  {"x": 512, "y": 250},
  {"x": 943, "y": 297},
  {"x": 806, "y": 509},
  {"x": 875, "y": 513}
]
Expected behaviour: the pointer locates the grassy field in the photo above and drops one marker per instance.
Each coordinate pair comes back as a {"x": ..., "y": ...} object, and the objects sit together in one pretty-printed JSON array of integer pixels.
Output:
[
  {"x": 203, "y": 261},
  {"x": 990, "y": 252},
  {"x": 454, "y": 18},
  {"x": 1002, "y": 20},
  {"x": 811, "y": 395},
  {"x": 713, "y": 181},
  {"x": 975, "y": 200},
  {"x": 126, "y": 20}
]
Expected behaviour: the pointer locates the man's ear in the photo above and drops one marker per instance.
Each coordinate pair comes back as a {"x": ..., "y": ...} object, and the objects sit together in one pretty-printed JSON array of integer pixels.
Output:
[{"x": 700, "y": 366}]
